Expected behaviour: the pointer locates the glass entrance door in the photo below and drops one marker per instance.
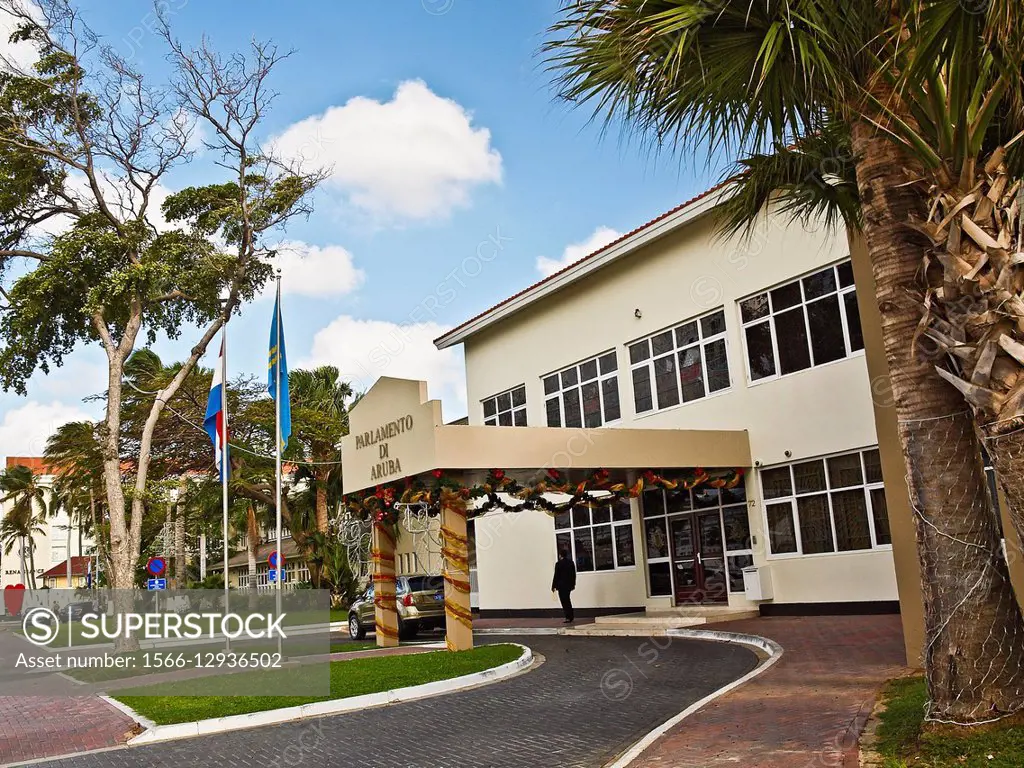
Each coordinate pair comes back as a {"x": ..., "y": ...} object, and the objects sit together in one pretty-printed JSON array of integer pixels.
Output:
[{"x": 698, "y": 558}]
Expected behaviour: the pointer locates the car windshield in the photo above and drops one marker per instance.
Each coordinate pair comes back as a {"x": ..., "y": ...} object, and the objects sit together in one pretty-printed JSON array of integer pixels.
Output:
[{"x": 425, "y": 583}]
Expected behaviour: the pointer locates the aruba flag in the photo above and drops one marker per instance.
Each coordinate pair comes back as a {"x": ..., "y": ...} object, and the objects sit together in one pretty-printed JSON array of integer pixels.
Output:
[
  {"x": 277, "y": 365},
  {"x": 214, "y": 422}
]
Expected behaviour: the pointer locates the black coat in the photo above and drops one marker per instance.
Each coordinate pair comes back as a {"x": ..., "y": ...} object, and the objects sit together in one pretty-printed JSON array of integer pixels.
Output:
[{"x": 565, "y": 575}]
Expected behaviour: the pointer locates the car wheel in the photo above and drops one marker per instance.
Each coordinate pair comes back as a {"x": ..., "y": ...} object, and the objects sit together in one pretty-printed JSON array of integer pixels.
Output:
[
  {"x": 355, "y": 629},
  {"x": 407, "y": 630}
]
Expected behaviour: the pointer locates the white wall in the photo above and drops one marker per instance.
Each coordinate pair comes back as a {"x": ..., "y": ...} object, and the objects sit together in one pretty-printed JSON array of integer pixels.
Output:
[{"x": 686, "y": 274}]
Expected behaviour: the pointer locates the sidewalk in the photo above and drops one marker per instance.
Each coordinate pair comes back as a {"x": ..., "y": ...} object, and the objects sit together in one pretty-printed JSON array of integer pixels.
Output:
[
  {"x": 806, "y": 711},
  {"x": 43, "y": 726}
]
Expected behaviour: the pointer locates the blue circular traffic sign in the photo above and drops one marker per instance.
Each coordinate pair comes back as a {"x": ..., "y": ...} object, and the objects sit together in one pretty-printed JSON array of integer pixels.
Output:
[
  {"x": 156, "y": 566},
  {"x": 272, "y": 560}
]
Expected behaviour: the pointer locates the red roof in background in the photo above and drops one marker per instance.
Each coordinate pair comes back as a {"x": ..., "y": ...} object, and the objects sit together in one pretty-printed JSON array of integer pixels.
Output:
[
  {"x": 79, "y": 567},
  {"x": 35, "y": 463},
  {"x": 552, "y": 276}
]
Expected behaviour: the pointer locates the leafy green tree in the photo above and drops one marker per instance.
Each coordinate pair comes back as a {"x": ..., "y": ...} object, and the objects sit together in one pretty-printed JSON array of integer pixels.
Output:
[
  {"x": 85, "y": 144},
  {"x": 900, "y": 118}
]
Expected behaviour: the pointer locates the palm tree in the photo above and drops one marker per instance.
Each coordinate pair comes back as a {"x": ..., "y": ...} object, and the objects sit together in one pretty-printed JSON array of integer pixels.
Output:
[
  {"x": 850, "y": 108},
  {"x": 321, "y": 420},
  {"x": 30, "y": 503}
]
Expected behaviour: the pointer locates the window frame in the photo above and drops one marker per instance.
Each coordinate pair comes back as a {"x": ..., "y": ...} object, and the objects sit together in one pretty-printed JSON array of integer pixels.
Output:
[
  {"x": 701, "y": 343},
  {"x": 613, "y": 524},
  {"x": 865, "y": 486},
  {"x": 693, "y": 509},
  {"x": 559, "y": 394},
  {"x": 840, "y": 293},
  {"x": 513, "y": 409}
]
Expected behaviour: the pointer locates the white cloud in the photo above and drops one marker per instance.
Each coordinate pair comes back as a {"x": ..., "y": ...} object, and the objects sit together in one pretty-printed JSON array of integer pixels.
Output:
[
  {"x": 576, "y": 251},
  {"x": 414, "y": 157},
  {"x": 24, "y": 430},
  {"x": 22, "y": 55},
  {"x": 364, "y": 350},
  {"x": 315, "y": 271}
]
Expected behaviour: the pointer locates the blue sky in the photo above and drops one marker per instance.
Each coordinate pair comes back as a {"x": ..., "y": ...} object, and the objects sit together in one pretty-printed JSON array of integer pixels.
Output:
[{"x": 439, "y": 121}]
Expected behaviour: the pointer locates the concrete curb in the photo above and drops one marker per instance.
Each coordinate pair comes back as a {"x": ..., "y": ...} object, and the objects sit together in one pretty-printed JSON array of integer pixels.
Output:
[
  {"x": 763, "y": 644},
  {"x": 160, "y": 733}
]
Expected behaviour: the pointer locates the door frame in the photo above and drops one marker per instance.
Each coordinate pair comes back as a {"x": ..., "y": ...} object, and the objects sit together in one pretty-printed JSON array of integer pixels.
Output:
[{"x": 699, "y": 594}]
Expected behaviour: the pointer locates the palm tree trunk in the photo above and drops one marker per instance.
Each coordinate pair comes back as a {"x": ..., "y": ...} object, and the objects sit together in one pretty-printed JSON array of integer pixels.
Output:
[
  {"x": 252, "y": 537},
  {"x": 179, "y": 535},
  {"x": 321, "y": 502},
  {"x": 24, "y": 563},
  {"x": 974, "y": 631},
  {"x": 32, "y": 563}
]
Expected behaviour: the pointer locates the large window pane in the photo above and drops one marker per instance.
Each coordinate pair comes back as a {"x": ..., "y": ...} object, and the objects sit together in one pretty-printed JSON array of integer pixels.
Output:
[
  {"x": 851, "y": 514},
  {"x": 736, "y": 565},
  {"x": 520, "y": 417},
  {"x": 624, "y": 552},
  {"x": 785, "y": 297},
  {"x": 518, "y": 397},
  {"x": 584, "y": 549},
  {"x": 873, "y": 466},
  {"x": 550, "y": 384},
  {"x": 712, "y": 325},
  {"x": 717, "y": 364},
  {"x": 643, "y": 400},
  {"x": 571, "y": 408},
  {"x": 691, "y": 374},
  {"x": 760, "y": 354},
  {"x": 815, "y": 526},
  {"x": 588, "y": 370},
  {"x": 601, "y": 515},
  {"x": 754, "y": 308},
  {"x": 656, "y": 538},
  {"x": 662, "y": 343},
  {"x": 781, "y": 534},
  {"x": 653, "y": 503},
  {"x": 659, "y": 576},
  {"x": 505, "y": 418},
  {"x": 809, "y": 476},
  {"x": 608, "y": 364},
  {"x": 666, "y": 381},
  {"x": 569, "y": 378},
  {"x": 591, "y": 404},
  {"x": 490, "y": 407},
  {"x": 604, "y": 555},
  {"x": 610, "y": 390},
  {"x": 562, "y": 520},
  {"x": 621, "y": 511},
  {"x": 827, "y": 342},
  {"x": 791, "y": 332},
  {"x": 844, "y": 471},
  {"x": 776, "y": 482},
  {"x": 880, "y": 514},
  {"x": 678, "y": 500},
  {"x": 687, "y": 334},
  {"x": 554, "y": 412},
  {"x": 853, "y": 321},
  {"x": 563, "y": 543},
  {"x": 737, "y": 528},
  {"x": 845, "y": 271},
  {"x": 580, "y": 516},
  {"x": 639, "y": 352},
  {"x": 505, "y": 401},
  {"x": 819, "y": 284},
  {"x": 704, "y": 497}
]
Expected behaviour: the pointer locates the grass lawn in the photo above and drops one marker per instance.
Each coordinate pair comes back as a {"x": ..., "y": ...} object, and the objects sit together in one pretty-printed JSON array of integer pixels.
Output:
[
  {"x": 354, "y": 677},
  {"x": 905, "y": 742}
]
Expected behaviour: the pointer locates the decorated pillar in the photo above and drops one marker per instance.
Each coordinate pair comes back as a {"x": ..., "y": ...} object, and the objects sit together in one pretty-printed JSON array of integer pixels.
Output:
[
  {"x": 455, "y": 550},
  {"x": 382, "y": 557}
]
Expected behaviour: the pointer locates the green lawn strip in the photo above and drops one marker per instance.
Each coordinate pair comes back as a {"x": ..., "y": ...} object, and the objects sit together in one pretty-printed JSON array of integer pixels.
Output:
[
  {"x": 353, "y": 677},
  {"x": 905, "y": 741}
]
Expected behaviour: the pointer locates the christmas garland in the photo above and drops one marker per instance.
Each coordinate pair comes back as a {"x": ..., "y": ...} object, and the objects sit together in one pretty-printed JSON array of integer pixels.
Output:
[{"x": 378, "y": 504}]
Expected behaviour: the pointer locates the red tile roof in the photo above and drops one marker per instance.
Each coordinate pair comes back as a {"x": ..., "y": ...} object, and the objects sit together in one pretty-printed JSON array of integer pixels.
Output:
[
  {"x": 588, "y": 257},
  {"x": 35, "y": 463},
  {"x": 79, "y": 567}
]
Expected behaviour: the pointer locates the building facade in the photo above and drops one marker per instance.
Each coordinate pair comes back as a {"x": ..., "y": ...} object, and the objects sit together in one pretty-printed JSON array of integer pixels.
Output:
[{"x": 673, "y": 327}]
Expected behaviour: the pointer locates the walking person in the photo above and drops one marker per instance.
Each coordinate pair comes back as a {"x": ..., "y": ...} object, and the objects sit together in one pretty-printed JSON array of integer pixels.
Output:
[{"x": 564, "y": 582}]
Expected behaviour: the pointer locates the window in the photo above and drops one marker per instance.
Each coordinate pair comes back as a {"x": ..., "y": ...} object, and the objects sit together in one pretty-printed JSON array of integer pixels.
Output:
[
  {"x": 659, "y": 508},
  {"x": 585, "y": 395},
  {"x": 599, "y": 538},
  {"x": 805, "y": 323},
  {"x": 680, "y": 365},
  {"x": 507, "y": 409},
  {"x": 835, "y": 504}
]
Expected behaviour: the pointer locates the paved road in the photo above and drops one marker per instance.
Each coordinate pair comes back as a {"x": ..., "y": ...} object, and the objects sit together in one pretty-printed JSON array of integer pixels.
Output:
[{"x": 591, "y": 699}]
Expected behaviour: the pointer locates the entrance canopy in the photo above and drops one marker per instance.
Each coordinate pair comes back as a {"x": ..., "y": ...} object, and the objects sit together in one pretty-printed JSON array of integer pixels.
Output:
[{"x": 396, "y": 431}]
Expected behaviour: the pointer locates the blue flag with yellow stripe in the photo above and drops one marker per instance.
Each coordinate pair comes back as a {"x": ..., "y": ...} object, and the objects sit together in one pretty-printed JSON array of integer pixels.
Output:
[{"x": 278, "y": 368}]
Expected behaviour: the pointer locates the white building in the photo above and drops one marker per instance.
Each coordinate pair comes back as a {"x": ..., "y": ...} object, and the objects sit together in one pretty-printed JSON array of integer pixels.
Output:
[
  {"x": 51, "y": 543},
  {"x": 672, "y": 327}
]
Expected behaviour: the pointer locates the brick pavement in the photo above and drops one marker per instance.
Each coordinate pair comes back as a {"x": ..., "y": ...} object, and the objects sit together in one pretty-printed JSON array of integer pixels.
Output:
[
  {"x": 807, "y": 711},
  {"x": 42, "y": 726}
]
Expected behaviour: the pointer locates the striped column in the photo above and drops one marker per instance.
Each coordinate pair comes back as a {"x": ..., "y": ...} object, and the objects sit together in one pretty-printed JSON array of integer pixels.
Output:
[
  {"x": 455, "y": 550},
  {"x": 382, "y": 557}
]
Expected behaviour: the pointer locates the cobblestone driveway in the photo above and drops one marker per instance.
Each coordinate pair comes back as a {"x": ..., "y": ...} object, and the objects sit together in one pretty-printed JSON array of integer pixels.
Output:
[{"x": 589, "y": 701}]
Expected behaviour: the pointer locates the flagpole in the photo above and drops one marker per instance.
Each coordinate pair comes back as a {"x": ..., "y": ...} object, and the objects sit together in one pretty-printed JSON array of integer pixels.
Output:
[
  {"x": 225, "y": 465},
  {"x": 277, "y": 400}
]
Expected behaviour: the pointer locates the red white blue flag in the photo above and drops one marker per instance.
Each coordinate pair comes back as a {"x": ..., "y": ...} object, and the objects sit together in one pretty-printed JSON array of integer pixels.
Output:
[{"x": 215, "y": 420}]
